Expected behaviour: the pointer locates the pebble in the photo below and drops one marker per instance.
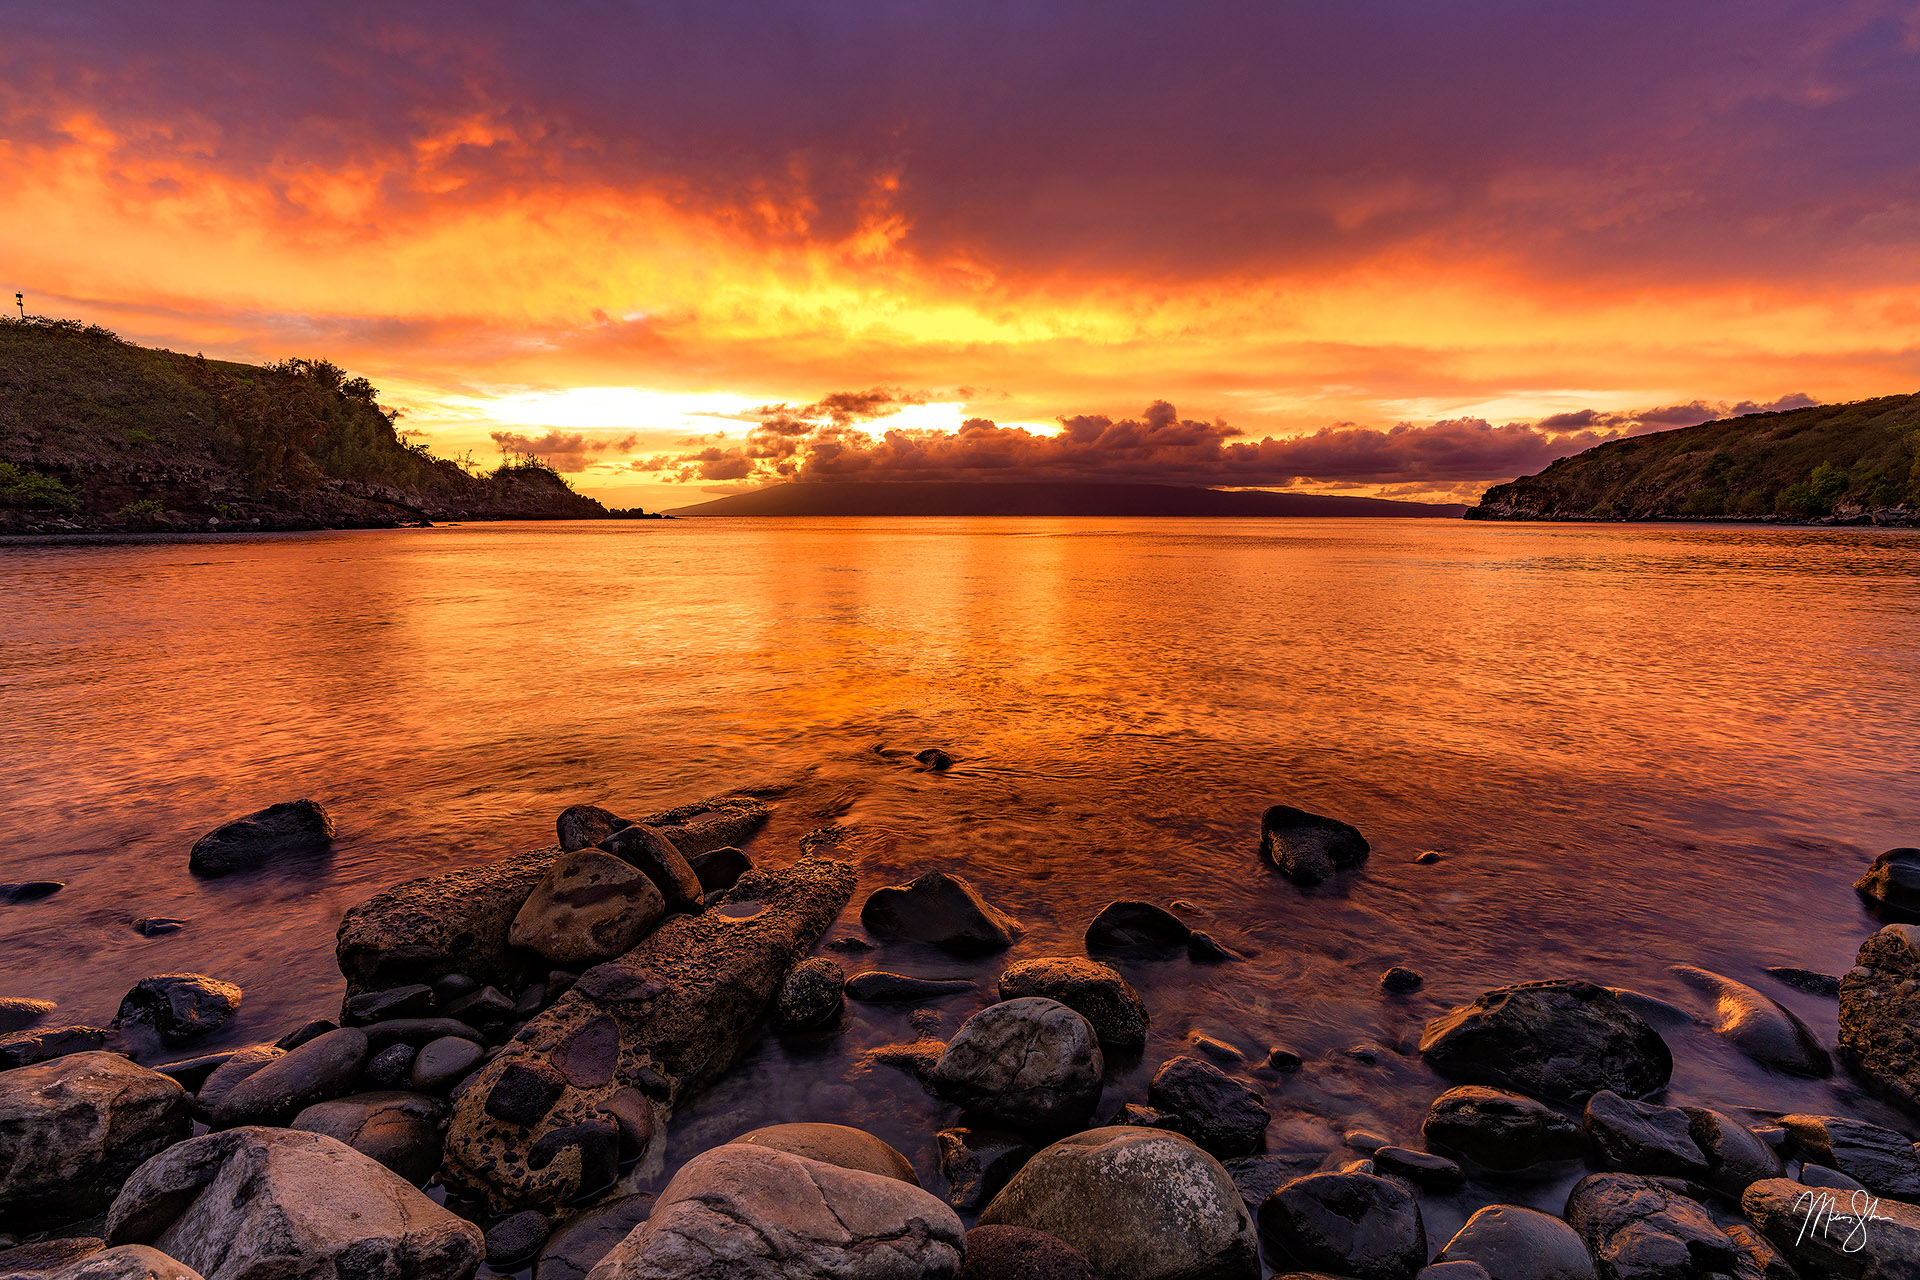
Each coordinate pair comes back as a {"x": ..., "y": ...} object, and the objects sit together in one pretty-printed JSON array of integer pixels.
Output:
[
  {"x": 1426, "y": 857},
  {"x": 30, "y": 890},
  {"x": 1218, "y": 1050},
  {"x": 157, "y": 926},
  {"x": 443, "y": 1063},
  {"x": 1284, "y": 1059},
  {"x": 1399, "y": 980}
]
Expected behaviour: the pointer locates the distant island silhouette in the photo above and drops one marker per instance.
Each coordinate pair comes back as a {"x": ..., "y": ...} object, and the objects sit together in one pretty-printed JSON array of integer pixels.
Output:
[{"x": 967, "y": 498}]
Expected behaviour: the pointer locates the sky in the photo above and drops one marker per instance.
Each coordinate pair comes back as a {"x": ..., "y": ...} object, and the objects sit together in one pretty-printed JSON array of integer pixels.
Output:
[{"x": 1404, "y": 248}]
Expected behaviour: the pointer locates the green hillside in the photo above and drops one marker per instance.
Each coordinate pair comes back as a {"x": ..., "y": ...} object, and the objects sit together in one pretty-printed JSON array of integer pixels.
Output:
[
  {"x": 1840, "y": 463},
  {"x": 100, "y": 434}
]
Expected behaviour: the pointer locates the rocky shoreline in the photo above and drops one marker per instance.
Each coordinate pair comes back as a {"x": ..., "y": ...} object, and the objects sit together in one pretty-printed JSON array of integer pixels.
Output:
[{"x": 515, "y": 1039}]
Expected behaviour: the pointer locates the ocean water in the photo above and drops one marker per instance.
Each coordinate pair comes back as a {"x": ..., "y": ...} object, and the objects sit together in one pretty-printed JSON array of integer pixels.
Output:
[{"x": 1631, "y": 746}]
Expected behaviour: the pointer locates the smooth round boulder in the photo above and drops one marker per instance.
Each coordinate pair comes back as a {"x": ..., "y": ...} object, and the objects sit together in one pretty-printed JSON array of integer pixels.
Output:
[
  {"x": 1224, "y": 1115},
  {"x": 1308, "y": 847},
  {"x": 1807, "y": 1226},
  {"x": 1501, "y": 1131},
  {"x": 1893, "y": 880},
  {"x": 295, "y": 828},
  {"x": 581, "y": 826},
  {"x": 179, "y": 1006},
  {"x": 1638, "y": 1228},
  {"x": 812, "y": 995},
  {"x": 720, "y": 869},
  {"x": 1091, "y": 989},
  {"x": 327, "y": 1066},
  {"x": 400, "y": 1130},
  {"x": 577, "y": 1245},
  {"x": 1736, "y": 1155},
  {"x": 515, "y": 1239},
  {"x": 1421, "y": 1168},
  {"x": 835, "y": 1144},
  {"x": 1642, "y": 1137},
  {"x": 1132, "y": 928},
  {"x": 1762, "y": 1028},
  {"x": 444, "y": 1062},
  {"x": 1016, "y": 1253},
  {"x": 1029, "y": 1063},
  {"x": 1356, "y": 1224},
  {"x": 654, "y": 855},
  {"x": 1564, "y": 1040},
  {"x": 1515, "y": 1243},
  {"x": 71, "y": 1130},
  {"x": 589, "y": 907},
  {"x": 941, "y": 909},
  {"x": 392, "y": 1067},
  {"x": 1139, "y": 1204}
]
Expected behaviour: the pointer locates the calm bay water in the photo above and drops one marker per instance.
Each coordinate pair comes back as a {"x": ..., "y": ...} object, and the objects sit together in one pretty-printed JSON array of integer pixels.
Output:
[{"x": 1631, "y": 746}]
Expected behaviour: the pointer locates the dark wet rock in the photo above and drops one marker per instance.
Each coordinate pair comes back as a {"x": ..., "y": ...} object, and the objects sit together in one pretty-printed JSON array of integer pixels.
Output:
[
  {"x": 1030, "y": 1063},
  {"x": 582, "y": 826},
  {"x": 934, "y": 760},
  {"x": 20, "y": 1012},
  {"x": 559, "y": 982},
  {"x": 942, "y": 909},
  {"x": 1308, "y": 847},
  {"x": 811, "y": 996},
  {"x": 488, "y": 1007},
  {"x": 1810, "y": 981},
  {"x": 1453, "y": 1271},
  {"x": 1736, "y": 1157},
  {"x": 72, "y": 1129},
  {"x": 1564, "y": 1040},
  {"x": 1426, "y": 858},
  {"x": 513, "y": 1241},
  {"x": 322, "y": 1068},
  {"x": 654, "y": 856},
  {"x": 418, "y": 1031},
  {"x": 877, "y": 986},
  {"x": 977, "y": 1162},
  {"x": 1880, "y": 1013},
  {"x": 1642, "y": 1137},
  {"x": 1204, "y": 948},
  {"x": 1355, "y": 1224},
  {"x": 589, "y": 1152},
  {"x": 1214, "y": 1047},
  {"x": 1223, "y": 1115},
  {"x": 449, "y": 987},
  {"x": 589, "y": 907},
  {"x": 44, "y": 1257},
  {"x": 1501, "y": 1131},
  {"x": 412, "y": 1001},
  {"x": 256, "y": 1202},
  {"x": 706, "y": 825},
  {"x": 392, "y": 1067},
  {"x": 304, "y": 1032},
  {"x": 1758, "y": 1259},
  {"x": 1139, "y": 1204},
  {"x": 835, "y": 1144},
  {"x": 1284, "y": 1059},
  {"x": 1515, "y": 1243},
  {"x": 745, "y": 1211},
  {"x": 157, "y": 926},
  {"x": 29, "y": 890},
  {"x": 1015, "y": 1253},
  {"x": 525, "y": 1091},
  {"x": 666, "y": 1020},
  {"x": 1825, "y": 1234},
  {"x": 917, "y": 1058},
  {"x": 179, "y": 1006},
  {"x": 295, "y": 828},
  {"x": 1399, "y": 981},
  {"x": 400, "y": 1130},
  {"x": 1140, "y": 1115},
  {"x": 849, "y": 944},
  {"x": 238, "y": 1065},
  {"x": 579, "y": 1243},
  {"x": 1091, "y": 989},
  {"x": 1762, "y": 1029},
  {"x": 1815, "y": 1175},
  {"x": 530, "y": 1001},
  {"x": 1137, "y": 929},
  {"x": 1257, "y": 1177},
  {"x": 720, "y": 869},
  {"x": 1880, "y": 1159},
  {"x": 1894, "y": 879},
  {"x": 1422, "y": 1168},
  {"x": 1637, "y": 1228}
]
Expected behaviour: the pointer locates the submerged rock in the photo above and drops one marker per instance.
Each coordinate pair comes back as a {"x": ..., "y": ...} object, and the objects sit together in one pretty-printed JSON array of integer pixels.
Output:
[
  {"x": 258, "y": 1202},
  {"x": 1893, "y": 879},
  {"x": 1764, "y": 1030},
  {"x": 877, "y": 986},
  {"x": 1091, "y": 989},
  {"x": 1836, "y": 1235},
  {"x": 1565, "y": 1040},
  {"x": 1139, "y": 1204},
  {"x": 835, "y": 1144},
  {"x": 1810, "y": 981},
  {"x": 1880, "y": 1159},
  {"x": 653, "y": 855},
  {"x": 755, "y": 1213},
  {"x": 179, "y": 1006},
  {"x": 15, "y": 891},
  {"x": 942, "y": 909},
  {"x": 1223, "y": 1115},
  {"x": 811, "y": 996},
  {"x": 1637, "y": 1228},
  {"x": 400, "y": 1130},
  {"x": 663, "y": 1021},
  {"x": 1641, "y": 1137},
  {"x": 1030, "y": 1063},
  {"x": 582, "y": 826},
  {"x": 1515, "y": 1243},
  {"x": 291, "y": 829},
  {"x": 1355, "y": 1224},
  {"x": 589, "y": 907},
  {"x": 73, "y": 1128},
  {"x": 1136, "y": 928},
  {"x": 1879, "y": 1009},
  {"x": 1308, "y": 847}
]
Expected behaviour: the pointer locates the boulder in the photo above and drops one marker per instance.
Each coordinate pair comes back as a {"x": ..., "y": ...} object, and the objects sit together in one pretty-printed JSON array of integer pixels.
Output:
[
  {"x": 239, "y": 1064},
  {"x": 877, "y": 986},
  {"x": 253, "y": 1203},
  {"x": 291, "y": 829},
  {"x": 1091, "y": 989},
  {"x": 39, "y": 1044},
  {"x": 1398, "y": 981},
  {"x": 1139, "y": 1204},
  {"x": 400, "y": 1130},
  {"x": 1501, "y": 1131},
  {"x": 1836, "y": 1235},
  {"x": 1762, "y": 1029},
  {"x": 1029, "y": 1063},
  {"x": 977, "y": 1162},
  {"x": 1736, "y": 1157},
  {"x": 706, "y": 825},
  {"x": 1132, "y": 928},
  {"x": 755, "y": 1213},
  {"x": 1308, "y": 847},
  {"x": 1563, "y": 1040},
  {"x": 835, "y": 1144},
  {"x": 1881, "y": 1160},
  {"x": 1642, "y": 1137},
  {"x": 577, "y": 1245},
  {"x": 1421, "y": 1168},
  {"x": 653, "y": 855},
  {"x": 1879, "y": 1011},
  {"x": 125, "y": 1262},
  {"x": 1354, "y": 1224},
  {"x": 179, "y": 1006},
  {"x": 71, "y": 1130},
  {"x": 14, "y": 891},
  {"x": 391, "y": 1068},
  {"x": 444, "y": 1062},
  {"x": 1638, "y": 1228},
  {"x": 589, "y": 907},
  {"x": 811, "y": 996},
  {"x": 1893, "y": 879},
  {"x": 942, "y": 909},
  {"x": 280, "y": 1088},
  {"x": 1015, "y": 1253},
  {"x": 720, "y": 869},
  {"x": 582, "y": 826},
  {"x": 1223, "y": 1115},
  {"x": 1453, "y": 1271},
  {"x": 663, "y": 1021},
  {"x": 934, "y": 760},
  {"x": 1758, "y": 1259},
  {"x": 413, "y": 1000},
  {"x": 17, "y": 1013},
  {"x": 513, "y": 1241},
  {"x": 1257, "y": 1177},
  {"x": 1513, "y": 1243}
]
